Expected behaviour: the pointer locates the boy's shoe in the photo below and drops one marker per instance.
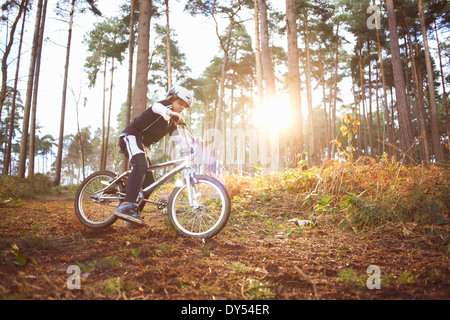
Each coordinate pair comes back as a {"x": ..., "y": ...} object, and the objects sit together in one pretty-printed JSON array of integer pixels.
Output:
[
  {"x": 128, "y": 212},
  {"x": 131, "y": 225}
]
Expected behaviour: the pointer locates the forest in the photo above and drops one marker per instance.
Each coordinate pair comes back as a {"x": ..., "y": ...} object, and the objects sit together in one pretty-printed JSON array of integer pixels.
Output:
[
  {"x": 343, "y": 53},
  {"x": 331, "y": 112}
]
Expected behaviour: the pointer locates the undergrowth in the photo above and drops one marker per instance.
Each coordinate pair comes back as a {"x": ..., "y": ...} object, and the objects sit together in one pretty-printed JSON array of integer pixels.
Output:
[
  {"x": 361, "y": 195},
  {"x": 14, "y": 189}
]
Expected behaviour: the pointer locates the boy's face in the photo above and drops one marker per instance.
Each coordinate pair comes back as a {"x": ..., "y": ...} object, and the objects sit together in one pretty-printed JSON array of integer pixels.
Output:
[{"x": 178, "y": 105}]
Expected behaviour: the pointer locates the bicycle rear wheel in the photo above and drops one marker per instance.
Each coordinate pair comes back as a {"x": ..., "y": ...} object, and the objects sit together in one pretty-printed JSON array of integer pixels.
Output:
[
  {"x": 209, "y": 212},
  {"x": 95, "y": 208}
]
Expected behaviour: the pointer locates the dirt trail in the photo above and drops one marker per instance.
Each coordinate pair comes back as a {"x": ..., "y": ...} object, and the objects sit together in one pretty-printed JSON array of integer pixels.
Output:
[{"x": 255, "y": 257}]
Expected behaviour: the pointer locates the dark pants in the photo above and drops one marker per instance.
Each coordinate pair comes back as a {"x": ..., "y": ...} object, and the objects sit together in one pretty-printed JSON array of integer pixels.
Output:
[{"x": 131, "y": 147}]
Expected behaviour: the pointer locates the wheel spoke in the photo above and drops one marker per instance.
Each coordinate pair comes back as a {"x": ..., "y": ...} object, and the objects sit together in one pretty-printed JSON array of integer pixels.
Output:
[
  {"x": 207, "y": 212},
  {"x": 95, "y": 205}
]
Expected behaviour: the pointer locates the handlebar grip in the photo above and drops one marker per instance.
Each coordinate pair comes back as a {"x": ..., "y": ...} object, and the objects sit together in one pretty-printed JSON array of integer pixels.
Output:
[{"x": 175, "y": 118}]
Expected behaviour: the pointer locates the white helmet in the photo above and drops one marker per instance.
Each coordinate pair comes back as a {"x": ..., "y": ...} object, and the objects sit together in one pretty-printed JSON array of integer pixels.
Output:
[{"x": 182, "y": 93}]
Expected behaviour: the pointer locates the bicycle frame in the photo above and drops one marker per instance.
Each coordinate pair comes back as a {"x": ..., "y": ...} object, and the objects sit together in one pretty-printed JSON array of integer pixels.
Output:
[{"x": 183, "y": 163}]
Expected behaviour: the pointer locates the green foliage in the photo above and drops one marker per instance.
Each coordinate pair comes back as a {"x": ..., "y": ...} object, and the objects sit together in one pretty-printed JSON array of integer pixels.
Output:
[
  {"x": 256, "y": 289},
  {"x": 349, "y": 275},
  {"x": 361, "y": 195},
  {"x": 10, "y": 254},
  {"x": 14, "y": 189}
]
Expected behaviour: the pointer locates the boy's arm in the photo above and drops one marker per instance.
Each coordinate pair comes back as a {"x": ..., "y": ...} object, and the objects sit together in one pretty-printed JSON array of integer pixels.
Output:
[{"x": 161, "y": 110}]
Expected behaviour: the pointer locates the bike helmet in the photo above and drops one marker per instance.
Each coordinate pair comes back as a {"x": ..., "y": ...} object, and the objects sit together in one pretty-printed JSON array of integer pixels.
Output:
[{"x": 182, "y": 93}]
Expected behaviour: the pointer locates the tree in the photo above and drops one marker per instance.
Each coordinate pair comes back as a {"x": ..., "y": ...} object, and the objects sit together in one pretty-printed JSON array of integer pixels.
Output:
[
  {"x": 140, "y": 91},
  {"x": 418, "y": 90},
  {"x": 92, "y": 7},
  {"x": 158, "y": 63},
  {"x": 7, "y": 159},
  {"x": 267, "y": 66},
  {"x": 231, "y": 11},
  {"x": 26, "y": 118},
  {"x": 22, "y": 8},
  {"x": 312, "y": 15},
  {"x": 9, "y": 129},
  {"x": 32, "y": 134},
  {"x": 259, "y": 79},
  {"x": 168, "y": 46},
  {"x": 131, "y": 45},
  {"x": 294, "y": 77},
  {"x": 106, "y": 42},
  {"x": 434, "y": 114},
  {"x": 129, "y": 19},
  {"x": 405, "y": 131}
]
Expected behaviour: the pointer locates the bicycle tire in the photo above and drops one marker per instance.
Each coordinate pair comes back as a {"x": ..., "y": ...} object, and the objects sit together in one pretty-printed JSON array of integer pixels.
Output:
[
  {"x": 181, "y": 213},
  {"x": 98, "y": 213}
]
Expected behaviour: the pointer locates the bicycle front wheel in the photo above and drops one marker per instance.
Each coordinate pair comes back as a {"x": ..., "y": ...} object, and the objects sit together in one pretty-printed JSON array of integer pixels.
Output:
[
  {"x": 95, "y": 205},
  {"x": 208, "y": 213}
]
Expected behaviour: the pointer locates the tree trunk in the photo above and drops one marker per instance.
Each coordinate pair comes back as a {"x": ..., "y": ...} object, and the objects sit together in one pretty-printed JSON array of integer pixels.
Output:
[
  {"x": 103, "y": 144},
  {"x": 108, "y": 124},
  {"x": 379, "y": 144},
  {"x": 130, "y": 76},
  {"x": 32, "y": 139},
  {"x": 333, "y": 107},
  {"x": 26, "y": 116},
  {"x": 434, "y": 114},
  {"x": 63, "y": 104},
  {"x": 418, "y": 91},
  {"x": 258, "y": 66},
  {"x": 267, "y": 66},
  {"x": 225, "y": 48},
  {"x": 7, "y": 161},
  {"x": 3, "y": 90},
  {"x": 363, "y": 98},
  {"x": 294, "y": 79},
  {"x": 405, "y": 132},
  {"x": 447, "y": 120},
  {"x": 387, "y": 129},
  {"x": 327, "y": 128},
  {"x": 169, "y": 54},
  {"x": 80, "y": 135},
  {"x": 369, "y": 116},
  {"x": 140, "y": 91},
  {"x": 312, "y": 148}
]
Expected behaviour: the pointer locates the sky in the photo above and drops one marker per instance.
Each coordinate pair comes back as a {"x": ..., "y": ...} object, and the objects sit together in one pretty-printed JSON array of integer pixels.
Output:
[
  {"x": 198, "y": 42},
  {"x": 196, "y": 37}
]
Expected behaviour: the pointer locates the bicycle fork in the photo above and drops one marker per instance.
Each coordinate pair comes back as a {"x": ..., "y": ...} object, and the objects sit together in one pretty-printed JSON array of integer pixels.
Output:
[{"x": 190, "y": 185}]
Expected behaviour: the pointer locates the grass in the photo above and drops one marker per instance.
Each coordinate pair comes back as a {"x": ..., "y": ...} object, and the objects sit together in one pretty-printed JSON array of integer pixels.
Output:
[
  {"x": 360, "y": 195},
  {"x": 365, "y": 194},
  {"x": 257, "y": 289},
  {"x": 13, "y": 189}
]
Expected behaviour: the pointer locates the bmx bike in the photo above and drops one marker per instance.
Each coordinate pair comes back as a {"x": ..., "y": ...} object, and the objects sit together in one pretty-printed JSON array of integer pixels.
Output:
[{"x": 199, "y": 205}]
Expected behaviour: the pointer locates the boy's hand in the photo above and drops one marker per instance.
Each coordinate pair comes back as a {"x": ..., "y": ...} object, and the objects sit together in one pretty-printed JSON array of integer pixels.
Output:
[{"x": 176, "y": 117}]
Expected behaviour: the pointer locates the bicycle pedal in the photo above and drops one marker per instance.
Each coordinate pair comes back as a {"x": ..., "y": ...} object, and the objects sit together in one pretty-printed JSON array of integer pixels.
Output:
[{"x": 161, "y": 205}]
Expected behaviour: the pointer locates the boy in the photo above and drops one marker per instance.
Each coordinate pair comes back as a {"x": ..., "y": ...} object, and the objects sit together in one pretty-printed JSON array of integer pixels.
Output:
[{"x": 148, "y": 128}]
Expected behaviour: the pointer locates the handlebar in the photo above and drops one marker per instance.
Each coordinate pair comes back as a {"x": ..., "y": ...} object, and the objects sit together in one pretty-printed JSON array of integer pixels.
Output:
[
  {"x": 175, "y": 118},
  {"x": 189, "y": 139}
]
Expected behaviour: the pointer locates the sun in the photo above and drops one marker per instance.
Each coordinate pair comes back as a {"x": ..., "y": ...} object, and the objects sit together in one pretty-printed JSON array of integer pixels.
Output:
[{"x": 274, "y": 115}]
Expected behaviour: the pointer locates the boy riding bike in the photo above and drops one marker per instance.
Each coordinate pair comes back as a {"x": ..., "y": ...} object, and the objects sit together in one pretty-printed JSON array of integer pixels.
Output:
[{"x": 150, "y": 127}]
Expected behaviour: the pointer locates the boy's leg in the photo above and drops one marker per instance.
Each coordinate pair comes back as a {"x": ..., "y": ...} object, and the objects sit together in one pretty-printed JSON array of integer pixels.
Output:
[
  {"x": 148, "y": 180},
  {"x": 128, "y": 209},
  {"x": 136, "y": 177}
]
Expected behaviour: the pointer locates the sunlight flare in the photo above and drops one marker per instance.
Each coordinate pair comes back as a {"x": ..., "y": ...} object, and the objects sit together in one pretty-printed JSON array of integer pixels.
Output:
[{"x": 274, "y": 115}]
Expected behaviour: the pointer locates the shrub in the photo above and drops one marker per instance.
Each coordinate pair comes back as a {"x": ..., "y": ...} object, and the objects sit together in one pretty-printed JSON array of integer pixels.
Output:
[{"x": 12, "y": 188}]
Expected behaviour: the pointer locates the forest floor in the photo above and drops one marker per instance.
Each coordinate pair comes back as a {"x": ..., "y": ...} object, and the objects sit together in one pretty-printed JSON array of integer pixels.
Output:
[
  {"x": 261, "y": 254},
  {"x": 381, "y": 232}
]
